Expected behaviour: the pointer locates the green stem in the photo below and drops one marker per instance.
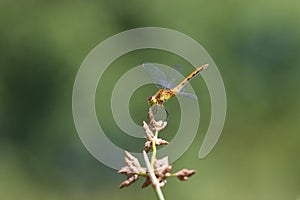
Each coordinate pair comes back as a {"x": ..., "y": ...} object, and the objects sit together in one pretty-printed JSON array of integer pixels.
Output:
[
  {"x": 153, "y": 150},
  {"x": 153, "y": 178}
]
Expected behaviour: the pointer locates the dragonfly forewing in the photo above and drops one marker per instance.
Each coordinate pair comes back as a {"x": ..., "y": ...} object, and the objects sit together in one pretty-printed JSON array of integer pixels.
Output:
[{"x": 156, "y": 75}]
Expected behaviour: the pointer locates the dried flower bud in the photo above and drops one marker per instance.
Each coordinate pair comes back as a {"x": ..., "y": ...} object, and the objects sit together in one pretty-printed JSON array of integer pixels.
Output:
[
  {"x": 149, "y": 133},
  {"x": 156, "y": 125},
  {"x": 148, "y": 146},
  {"x": 147, "y": 182},
  {"x": 129, "y": 180},
  {"x": 158, "y": 141},
  {"x": 161, "y": 167},
  {"x": 163, "y": 183},
  {"x": 183, "y": 174},
  {"x": 132, "y": 170}
]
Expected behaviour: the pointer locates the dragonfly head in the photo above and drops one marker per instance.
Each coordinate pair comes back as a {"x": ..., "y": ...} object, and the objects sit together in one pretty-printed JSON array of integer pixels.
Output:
[{"x": 152, "y": 100}]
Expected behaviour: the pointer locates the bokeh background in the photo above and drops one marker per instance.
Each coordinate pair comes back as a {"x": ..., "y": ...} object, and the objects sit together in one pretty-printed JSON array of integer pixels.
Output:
[{"x": 255, "y": 44}]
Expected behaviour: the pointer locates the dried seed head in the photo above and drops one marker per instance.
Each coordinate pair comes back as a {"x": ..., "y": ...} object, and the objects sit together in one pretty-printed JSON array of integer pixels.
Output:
[
  {"x": 156, "y": 125},
  {"x": 161, "y": 167},
  {"x": 184, "y": 174},
  {"x": 132, "y": 169}
]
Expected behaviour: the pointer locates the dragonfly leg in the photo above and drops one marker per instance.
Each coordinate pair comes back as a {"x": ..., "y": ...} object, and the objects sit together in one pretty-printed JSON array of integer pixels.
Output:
[{"x": 167, "y": 113}]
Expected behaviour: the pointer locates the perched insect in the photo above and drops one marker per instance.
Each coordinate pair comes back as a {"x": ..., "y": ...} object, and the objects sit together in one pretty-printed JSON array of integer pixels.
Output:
[{"x": 165, "y": 91}]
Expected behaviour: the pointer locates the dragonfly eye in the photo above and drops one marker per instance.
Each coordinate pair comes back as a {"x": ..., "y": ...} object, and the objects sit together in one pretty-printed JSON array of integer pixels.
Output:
[{"x": 151, "y": 100}]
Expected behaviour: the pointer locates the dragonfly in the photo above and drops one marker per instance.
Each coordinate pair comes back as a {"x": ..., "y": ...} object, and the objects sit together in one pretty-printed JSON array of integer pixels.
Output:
[{"x": 168, "y": 90}]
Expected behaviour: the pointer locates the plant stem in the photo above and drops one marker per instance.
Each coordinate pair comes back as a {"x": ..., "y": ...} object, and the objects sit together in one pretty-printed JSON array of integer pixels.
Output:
[
  {"x": 153, "y": 178},
  {"x": 153, "y": 150}
]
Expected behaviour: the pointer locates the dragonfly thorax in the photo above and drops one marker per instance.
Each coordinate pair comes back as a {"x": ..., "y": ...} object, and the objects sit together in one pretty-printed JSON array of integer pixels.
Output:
[{"x": 160, "y": 97}]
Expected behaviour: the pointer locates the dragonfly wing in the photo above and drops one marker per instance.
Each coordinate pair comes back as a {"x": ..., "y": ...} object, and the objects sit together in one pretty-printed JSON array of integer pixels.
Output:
[
  {"x": 167, "y": 84},
  {"x": 189, "y": 95},
  {"x": 172, "y": 74},
  {"x": 157, "y": 75}
]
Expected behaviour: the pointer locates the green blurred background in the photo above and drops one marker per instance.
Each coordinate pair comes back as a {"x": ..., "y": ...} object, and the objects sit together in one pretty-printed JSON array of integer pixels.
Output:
[{"x": 255, "y": 44}]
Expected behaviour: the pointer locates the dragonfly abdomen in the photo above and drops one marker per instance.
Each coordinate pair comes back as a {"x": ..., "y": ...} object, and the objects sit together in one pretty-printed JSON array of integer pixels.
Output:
[{"x": 188, "y": 78}]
